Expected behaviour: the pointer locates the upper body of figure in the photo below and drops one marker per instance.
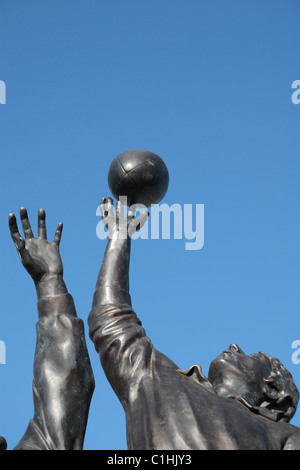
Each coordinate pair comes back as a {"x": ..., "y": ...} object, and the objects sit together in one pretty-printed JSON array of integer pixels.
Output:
[
  {"x": 63, "y": 382},
  {"x": 246, "y": 402}
]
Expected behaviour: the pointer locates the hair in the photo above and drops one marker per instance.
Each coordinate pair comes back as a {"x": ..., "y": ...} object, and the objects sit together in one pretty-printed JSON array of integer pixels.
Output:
[{"x": 280, "y": 391}]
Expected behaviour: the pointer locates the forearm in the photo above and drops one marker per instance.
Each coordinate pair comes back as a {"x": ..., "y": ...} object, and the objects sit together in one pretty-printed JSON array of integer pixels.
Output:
[
  {"x": 63, "y": 377},
  {"x": 118, "y": 335},
  {"x": 114, "y": 271},
  {"x": 112, "y": 288},
  {"x": 63, "y": 381}
]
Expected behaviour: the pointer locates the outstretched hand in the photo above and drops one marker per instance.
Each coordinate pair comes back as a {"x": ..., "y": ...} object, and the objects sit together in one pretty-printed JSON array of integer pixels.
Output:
[
  {"x": 40, "y": 257},
  {"x": 119, "y": 224}
]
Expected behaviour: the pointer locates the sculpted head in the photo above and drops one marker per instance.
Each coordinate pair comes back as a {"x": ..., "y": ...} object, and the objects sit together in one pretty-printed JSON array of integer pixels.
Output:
[{"x": 259, "y": 380}]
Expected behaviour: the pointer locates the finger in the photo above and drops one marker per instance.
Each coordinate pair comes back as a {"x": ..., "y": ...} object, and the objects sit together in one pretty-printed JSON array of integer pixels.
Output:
[
  {"x": 110, "y": 207},
  {"x": 14, "y": 231},
  {"x": 42, "y": 231},
  {"x": 102, "y": 207},
  {"x": 25, "y": 223},
  {"x": 13, "y": 226},
  {"x": 57, "y": 236},
  {"x": 141, "y": 219},
  {"x": 119, "y": 210},
  {"x": 132, "y": 210}
]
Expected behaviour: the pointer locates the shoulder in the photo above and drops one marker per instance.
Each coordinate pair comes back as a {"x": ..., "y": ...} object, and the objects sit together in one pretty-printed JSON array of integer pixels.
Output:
[{"x": 293, "y": 442}]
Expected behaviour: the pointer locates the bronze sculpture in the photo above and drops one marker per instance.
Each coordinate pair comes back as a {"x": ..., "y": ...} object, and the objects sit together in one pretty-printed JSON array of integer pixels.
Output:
[
  {"x": 3, "y": 443},
  {"x": 63, "y": 381},
  {"x": 246, "y": 402}
]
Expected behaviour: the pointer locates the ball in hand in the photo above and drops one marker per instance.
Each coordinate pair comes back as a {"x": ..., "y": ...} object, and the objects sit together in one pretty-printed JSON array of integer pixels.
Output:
[{"x": 140, "y": 175}]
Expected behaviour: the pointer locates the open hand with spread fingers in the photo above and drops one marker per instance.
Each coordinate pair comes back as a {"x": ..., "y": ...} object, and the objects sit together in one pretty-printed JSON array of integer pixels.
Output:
[
  {"x": 41, "y": 258},
  {"x": 119, "y": 224}
]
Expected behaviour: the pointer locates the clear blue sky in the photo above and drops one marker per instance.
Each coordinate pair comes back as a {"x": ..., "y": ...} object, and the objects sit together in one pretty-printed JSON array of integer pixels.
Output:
[{"x": 207, "y": 86}]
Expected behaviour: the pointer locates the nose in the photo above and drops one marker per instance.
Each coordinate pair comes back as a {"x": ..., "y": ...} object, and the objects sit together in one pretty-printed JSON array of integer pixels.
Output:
[{"x": 235, "y": 348}]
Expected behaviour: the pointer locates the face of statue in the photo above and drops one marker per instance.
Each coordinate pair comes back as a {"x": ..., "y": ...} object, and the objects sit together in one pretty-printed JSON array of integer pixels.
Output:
[{"x": 234, "y": 374}]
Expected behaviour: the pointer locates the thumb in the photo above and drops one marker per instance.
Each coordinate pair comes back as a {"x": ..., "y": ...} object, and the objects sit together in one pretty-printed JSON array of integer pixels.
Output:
[
  {"x": 142, "y": 218},
  {"x": 137, "y": 223},
  {"x": 24, "y": 254},
  {"x": 19, "y": 242}
]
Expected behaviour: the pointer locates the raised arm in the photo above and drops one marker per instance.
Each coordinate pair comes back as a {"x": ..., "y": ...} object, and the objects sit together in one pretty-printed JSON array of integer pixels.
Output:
[
  {"x": 63, "y": 381},
  {"x": 120, "y": 340},
  {"x": 114, "y": 271}
]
